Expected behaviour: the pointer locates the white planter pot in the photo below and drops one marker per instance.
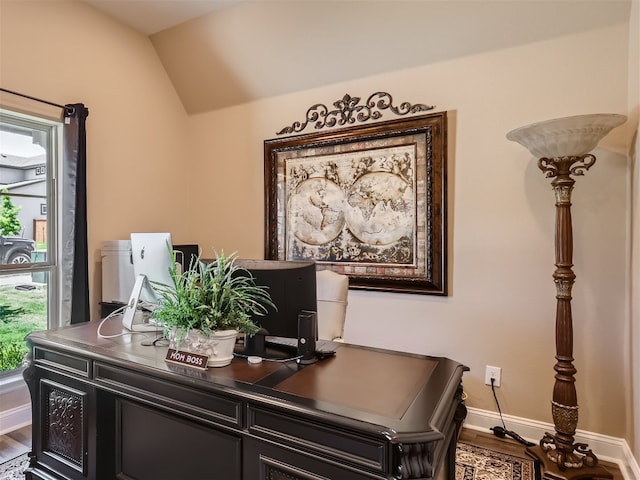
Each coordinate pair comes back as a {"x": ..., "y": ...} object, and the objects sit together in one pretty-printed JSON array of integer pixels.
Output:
[{"x": 218, "y": 345}]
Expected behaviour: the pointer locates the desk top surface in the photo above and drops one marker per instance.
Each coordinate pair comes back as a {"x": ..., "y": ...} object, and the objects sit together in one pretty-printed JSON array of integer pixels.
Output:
[{"x": 399, "y": 391}]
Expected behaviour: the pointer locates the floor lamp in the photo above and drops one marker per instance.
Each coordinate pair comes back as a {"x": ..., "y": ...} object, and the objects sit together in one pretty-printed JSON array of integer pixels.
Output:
[{"x": 562, "y": 147}]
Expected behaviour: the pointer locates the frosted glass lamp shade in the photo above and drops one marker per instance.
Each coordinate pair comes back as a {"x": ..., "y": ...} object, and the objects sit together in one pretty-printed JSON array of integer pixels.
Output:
[{"x": 568, "y": 136}]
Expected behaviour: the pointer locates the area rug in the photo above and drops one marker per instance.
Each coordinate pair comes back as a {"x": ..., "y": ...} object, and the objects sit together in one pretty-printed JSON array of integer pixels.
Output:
[
  {"x": 12, "y": 469},
  {"x": 477, "y": 463}
]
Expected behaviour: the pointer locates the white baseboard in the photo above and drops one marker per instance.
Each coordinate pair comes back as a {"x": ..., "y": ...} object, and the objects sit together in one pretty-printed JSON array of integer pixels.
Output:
[
  {"x": 15, "y": 418},
  {"x": 12, "y": 382},
  {"x": 607, "y": 448}
]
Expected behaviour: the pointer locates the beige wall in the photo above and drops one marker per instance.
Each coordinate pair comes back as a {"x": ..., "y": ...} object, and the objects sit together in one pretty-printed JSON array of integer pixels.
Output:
[
  {"x": 67, "y": 52},
  {"x": 201, "y": 178},
  {"x": 501, "y": 308}
]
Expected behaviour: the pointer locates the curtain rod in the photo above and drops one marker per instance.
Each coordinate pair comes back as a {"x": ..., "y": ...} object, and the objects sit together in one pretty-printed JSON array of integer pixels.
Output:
[{"x": 68, "y": 109}]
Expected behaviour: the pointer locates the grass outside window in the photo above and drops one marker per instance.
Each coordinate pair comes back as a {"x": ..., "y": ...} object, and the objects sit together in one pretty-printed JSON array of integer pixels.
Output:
[{"x": 21, "y": 312}]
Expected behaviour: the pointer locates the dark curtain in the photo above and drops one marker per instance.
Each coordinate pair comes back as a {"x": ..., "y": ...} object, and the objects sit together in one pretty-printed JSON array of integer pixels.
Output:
[{"x": 74, "y": 252}]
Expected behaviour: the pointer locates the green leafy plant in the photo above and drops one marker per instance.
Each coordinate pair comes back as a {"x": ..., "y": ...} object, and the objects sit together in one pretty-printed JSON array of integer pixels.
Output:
[
  {"x": 11, "y": 355},
  {"x": 9, "y": 221},
  {"x": 219, "y": 295}
]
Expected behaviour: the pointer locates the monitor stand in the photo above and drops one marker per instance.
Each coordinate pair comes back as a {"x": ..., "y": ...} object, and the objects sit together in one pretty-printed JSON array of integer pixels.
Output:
[
  {"x": 132, "y": 318},
  {"x": 255, "y": 345}
]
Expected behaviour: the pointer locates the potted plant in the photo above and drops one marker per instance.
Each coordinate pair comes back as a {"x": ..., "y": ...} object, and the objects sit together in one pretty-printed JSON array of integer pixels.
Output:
[{"x": 208, "y": 304}]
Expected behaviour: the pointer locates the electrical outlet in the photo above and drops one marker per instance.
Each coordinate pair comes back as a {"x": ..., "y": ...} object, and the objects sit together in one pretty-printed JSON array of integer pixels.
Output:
[{"x": 492, "y": 372}]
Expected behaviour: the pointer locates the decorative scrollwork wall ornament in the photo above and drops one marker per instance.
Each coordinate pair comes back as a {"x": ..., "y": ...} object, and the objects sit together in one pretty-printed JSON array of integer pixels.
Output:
[{"x": 349, "y": 111}]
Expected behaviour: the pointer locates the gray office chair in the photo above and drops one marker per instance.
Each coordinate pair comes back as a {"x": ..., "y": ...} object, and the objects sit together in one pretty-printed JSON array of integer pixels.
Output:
[{"x": 332, "y": 291}]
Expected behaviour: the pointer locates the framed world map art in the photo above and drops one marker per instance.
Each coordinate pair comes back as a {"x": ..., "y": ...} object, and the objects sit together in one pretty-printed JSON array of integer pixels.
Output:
[{"x": 366, "y": 201}]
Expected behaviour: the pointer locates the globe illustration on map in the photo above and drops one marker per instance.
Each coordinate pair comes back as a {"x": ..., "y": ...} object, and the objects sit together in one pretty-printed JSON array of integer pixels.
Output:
[
  {"x": 378, "y": 210},
  {"x": 316, "y": 211}
]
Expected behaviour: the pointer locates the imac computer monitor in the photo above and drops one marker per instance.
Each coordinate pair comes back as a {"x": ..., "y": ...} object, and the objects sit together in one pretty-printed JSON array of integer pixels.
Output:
[
  {"x": 292, "y": 287},
  {"x": 151, "y": 254}
]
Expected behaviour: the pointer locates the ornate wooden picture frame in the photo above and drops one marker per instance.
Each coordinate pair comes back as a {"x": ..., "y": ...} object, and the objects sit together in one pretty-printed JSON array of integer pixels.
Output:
[{"x": 366, "y": 201}]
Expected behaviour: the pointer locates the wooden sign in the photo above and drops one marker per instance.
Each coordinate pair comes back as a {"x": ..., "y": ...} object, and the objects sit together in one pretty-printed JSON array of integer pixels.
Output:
[{"x": 188, "y": 359}]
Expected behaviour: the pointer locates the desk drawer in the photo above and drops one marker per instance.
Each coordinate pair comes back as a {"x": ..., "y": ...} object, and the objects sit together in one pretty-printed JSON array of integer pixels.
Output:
[
  {"x": 205, "y": 406},
  {"x": 264, "y": 460},
  {"x": 62, "y": 361},
  {"x": 154, "y": 445},
  {"x": 321, "y": 439}
]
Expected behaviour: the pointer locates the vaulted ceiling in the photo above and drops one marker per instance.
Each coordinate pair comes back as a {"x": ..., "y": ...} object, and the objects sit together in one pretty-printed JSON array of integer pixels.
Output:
[{"x": 220, "y": 53}]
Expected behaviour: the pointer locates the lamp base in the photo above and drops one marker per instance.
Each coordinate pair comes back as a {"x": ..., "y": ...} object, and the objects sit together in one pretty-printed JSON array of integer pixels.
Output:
[{"x": 550, "y": 471}]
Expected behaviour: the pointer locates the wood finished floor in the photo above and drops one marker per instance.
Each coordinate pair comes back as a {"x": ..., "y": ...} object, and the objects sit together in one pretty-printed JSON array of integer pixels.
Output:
[
  {"x": 15, "y": 443},
  {"x": 19, "y": 441}
]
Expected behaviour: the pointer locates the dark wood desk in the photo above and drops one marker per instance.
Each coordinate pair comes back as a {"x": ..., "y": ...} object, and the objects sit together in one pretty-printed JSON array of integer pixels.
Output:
[{"x": 112, "y": 408}]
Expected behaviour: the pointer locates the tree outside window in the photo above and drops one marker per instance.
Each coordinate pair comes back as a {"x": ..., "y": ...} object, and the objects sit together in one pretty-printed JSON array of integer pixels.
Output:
[{"x": 9, "y": 221}]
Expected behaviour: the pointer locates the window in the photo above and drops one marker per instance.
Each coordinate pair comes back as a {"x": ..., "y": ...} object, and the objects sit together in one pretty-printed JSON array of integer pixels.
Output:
[{"x": 29, "y": 152}]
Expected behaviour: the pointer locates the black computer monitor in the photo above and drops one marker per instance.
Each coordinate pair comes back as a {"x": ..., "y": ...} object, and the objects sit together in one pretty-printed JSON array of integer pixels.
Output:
[{"x": 292, "y": 287}]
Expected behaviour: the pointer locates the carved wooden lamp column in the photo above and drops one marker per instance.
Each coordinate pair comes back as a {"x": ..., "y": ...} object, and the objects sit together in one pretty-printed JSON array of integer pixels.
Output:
[{"x": 562, "y": 147}]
